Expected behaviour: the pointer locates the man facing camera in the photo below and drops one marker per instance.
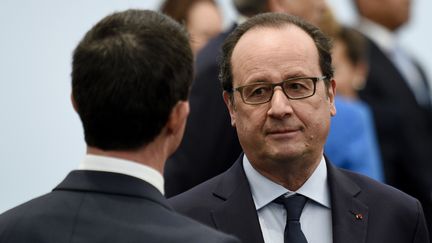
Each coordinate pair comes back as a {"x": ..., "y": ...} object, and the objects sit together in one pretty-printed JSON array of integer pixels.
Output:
[
  {"x": 278, "y": 86},
  {"x": 130, "y": 80}
]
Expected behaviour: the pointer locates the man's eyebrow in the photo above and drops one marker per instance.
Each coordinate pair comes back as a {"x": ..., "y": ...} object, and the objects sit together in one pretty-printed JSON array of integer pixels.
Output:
[
  {"x": 256, "y": 81},
  {"x": 297, "y": 74}
]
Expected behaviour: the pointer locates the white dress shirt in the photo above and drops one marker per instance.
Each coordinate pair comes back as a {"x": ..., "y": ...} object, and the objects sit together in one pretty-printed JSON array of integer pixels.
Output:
[
  {"x": 126, "y": 167},
  {"x": 315, "y": 220}
]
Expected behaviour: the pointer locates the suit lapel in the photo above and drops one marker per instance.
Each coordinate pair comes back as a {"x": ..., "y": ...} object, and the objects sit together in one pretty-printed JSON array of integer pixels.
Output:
[
  {"x": 237, "y": 214},
  {"x": 349, "y": 214},
  {"x": 110, "y": 183}
]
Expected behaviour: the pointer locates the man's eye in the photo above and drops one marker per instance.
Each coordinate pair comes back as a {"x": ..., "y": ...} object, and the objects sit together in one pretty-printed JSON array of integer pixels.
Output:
[
  {"x": 296, "y": 86},
  {"x": 259, "y": 91}
]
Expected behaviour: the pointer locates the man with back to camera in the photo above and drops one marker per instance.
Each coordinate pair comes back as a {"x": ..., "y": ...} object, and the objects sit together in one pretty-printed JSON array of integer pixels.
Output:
[
  {"x": 277, "y": 78},
  {"x": 130, "y": 81}
]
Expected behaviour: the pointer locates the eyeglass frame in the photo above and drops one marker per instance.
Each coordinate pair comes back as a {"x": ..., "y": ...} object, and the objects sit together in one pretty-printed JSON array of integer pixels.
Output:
[{"x": 273, "y": 85}]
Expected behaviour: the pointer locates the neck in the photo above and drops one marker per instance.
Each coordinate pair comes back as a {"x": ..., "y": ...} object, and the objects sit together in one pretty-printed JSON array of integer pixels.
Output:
[
  {"x": 291, "y": 174},
  {"x": 150, "y": 154}
]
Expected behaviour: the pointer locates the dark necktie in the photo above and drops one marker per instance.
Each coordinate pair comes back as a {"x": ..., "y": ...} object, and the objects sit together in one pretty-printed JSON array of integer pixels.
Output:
[{"x": 293, "y": 206}]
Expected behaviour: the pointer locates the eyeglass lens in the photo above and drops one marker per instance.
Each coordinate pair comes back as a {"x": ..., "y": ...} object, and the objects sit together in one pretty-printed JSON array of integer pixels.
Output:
[{"x": 293, "y": 88}]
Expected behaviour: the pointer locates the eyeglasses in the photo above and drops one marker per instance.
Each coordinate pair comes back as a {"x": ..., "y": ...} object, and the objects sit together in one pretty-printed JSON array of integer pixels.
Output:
[{"x": 293, "y": 88}]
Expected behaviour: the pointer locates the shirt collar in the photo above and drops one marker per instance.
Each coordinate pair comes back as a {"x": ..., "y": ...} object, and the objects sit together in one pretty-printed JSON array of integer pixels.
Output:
[
  {"x": 264, "y": 191},
  {"x": 383, "y": 37},
  {"x": 126, "y": 167}
]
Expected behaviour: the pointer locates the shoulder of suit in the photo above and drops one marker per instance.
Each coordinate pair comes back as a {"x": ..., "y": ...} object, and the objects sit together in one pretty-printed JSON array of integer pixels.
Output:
[
  {"x": 379, "y": 191},
  {"x": 193, "y": 231},
  {"x": 202, "y": 193}
]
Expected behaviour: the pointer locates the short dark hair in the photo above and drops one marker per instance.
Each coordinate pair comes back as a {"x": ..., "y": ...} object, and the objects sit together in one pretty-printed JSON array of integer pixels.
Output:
[
  {"x": 128, "y": 72},
  {"x": 274, "y": 20}
]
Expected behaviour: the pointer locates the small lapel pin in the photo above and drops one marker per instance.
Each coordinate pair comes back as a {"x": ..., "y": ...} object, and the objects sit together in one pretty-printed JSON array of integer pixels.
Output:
[{"x": 358, "y": 216}]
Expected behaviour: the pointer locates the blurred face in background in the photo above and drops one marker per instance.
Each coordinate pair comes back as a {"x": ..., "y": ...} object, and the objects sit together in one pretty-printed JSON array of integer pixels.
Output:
[
  {"x": 389, "y": 13},
  {"x": 349, "y": 76},
  {"x": 204, "y": 21},
  {"x": 310, "y": 10}
]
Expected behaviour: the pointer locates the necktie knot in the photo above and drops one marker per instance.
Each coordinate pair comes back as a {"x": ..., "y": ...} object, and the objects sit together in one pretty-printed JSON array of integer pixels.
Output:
[{"x": 293, "y": 205}]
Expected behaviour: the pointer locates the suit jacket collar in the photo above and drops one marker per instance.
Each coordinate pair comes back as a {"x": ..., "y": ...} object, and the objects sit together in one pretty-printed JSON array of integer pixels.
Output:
[
  {"x": 110, "y": 183},
  {"x": 234, "y": 215},
  {"x": 349, "y": 214}
]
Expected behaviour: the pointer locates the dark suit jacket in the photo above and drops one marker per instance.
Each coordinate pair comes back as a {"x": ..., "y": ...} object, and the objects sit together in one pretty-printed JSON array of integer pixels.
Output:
[
  {"x": 91, "y": 206},
  {"x": 208, "y": 136},
  {"x": 404, "y": 129},
  {"x": 225, "y": 203}
]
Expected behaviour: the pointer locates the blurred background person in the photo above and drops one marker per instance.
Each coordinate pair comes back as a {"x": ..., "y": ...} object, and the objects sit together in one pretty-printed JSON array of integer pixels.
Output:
[
  {"x": 202, "y": 19},
  {"x": 352, "y": 142},
  {"x": 398, "y": 92},
  {"x": 210, "y": 144},
  {"x": 350, "y": 62}
]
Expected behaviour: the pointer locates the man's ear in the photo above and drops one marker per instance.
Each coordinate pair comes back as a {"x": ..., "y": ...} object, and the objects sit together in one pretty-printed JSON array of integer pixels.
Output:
[
  {"x": 229, "y": 99},
  {"x": 178, "y": 117},
  {"x": 331, "y": 96}
]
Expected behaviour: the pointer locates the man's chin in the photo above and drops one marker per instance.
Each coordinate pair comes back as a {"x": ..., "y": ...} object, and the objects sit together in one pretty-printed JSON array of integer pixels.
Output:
[{"x": 285, "y": 154}]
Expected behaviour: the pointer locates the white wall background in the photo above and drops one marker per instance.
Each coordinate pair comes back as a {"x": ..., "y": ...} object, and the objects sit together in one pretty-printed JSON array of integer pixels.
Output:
[{"x": 40, "y": 135}]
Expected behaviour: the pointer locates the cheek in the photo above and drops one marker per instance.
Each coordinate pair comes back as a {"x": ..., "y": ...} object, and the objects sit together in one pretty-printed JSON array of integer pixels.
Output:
[
  {"x": 250, "y": 121},
  {"x": 316, "y": 116},
  {"x": 323, "y": 118}
]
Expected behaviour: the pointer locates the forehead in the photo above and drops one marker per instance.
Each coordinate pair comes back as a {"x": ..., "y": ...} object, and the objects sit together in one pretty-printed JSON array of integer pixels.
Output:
[{"x": 274, "y": 51}]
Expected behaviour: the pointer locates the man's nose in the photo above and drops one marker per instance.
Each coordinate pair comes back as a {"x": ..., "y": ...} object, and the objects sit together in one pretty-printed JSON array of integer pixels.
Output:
[{"x": 280, "y": 105}]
